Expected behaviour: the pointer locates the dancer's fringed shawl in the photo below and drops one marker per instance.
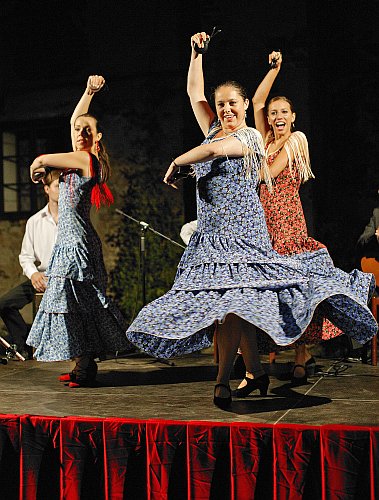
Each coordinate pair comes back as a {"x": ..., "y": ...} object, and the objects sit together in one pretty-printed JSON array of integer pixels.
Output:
[
  {"x": 253, "y": 154},
  {"x": 296, "y": 147}
]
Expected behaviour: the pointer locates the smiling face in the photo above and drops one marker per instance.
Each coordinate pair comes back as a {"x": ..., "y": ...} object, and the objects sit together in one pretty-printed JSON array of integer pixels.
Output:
[
  {"x": 231, "y": 108},
  {"x": 86, "y": 134},
  {"x": 280, "y": 117}
]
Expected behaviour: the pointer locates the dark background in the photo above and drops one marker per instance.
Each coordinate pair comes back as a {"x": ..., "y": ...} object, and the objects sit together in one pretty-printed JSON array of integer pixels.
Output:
[{"x": 330, "y": 71}]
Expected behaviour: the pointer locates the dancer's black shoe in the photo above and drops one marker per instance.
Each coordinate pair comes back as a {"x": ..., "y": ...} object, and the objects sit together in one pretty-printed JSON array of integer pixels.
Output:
[
  {"x": 222, "y": 403},
  {"x": 252, "y": 384}
]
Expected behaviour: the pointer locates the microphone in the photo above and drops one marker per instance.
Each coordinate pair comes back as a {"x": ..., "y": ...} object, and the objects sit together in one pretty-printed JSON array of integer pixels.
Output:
[{"x": 203, "y": 50}]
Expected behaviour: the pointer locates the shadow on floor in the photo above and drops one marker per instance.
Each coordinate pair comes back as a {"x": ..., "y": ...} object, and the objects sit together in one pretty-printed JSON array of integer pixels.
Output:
[
  {"x": 159, "y": 376},
  {"x": 280, "y": 398}
]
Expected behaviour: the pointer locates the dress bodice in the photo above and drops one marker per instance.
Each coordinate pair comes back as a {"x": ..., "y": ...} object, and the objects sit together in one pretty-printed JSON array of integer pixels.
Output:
[
  {"x": 74, "y": 207},
  {"x": 227, "y": 199}
]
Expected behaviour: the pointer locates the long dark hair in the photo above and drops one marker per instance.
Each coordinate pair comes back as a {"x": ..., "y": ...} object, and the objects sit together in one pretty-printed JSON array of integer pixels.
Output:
[{"x": 102, "y": 150}]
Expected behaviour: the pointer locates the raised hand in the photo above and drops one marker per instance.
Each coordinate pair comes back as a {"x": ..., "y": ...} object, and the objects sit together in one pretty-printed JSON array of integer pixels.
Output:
[
  {"x": 275, "y": 59},
  {"x": 199, "y": 40},
  {"x": 95, "y": 83}
]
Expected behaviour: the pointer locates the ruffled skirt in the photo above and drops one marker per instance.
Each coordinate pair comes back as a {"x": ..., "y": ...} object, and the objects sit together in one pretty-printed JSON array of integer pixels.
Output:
[
  {"x": 278, "y": 294},
  {"x": 75, "y": 316}
]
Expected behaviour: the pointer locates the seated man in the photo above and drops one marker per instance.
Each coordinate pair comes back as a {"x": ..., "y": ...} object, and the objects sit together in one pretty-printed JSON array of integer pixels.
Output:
[
  {"x": 39, "y": 238},
  {"x": 368, "y": 241}
]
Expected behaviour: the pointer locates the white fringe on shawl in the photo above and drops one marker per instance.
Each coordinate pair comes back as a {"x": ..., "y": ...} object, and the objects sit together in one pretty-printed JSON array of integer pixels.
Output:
[
  {"x": 253, "y": 154},
  {"x": 297, "y": 144}
]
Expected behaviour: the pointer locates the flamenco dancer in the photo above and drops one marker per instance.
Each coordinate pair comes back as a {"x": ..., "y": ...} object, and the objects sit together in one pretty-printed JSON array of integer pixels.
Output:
[
  {"x": 287, "y": 157},
  {"x": 75, "y": 319},
  {"x": 229, "y": 272}
]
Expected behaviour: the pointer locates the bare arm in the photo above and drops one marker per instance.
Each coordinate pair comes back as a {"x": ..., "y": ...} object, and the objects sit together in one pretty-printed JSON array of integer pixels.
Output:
[
  {"x": 231, "y": 147},
  {"x": 279, "y": 164},
  {"x": 262, "y": 92},
  {"x": 94, "y": 84},
  {"x": 294, "y": 152},
  {"x": 195, "y": 86},
  {"x": 78, "y": 159}
]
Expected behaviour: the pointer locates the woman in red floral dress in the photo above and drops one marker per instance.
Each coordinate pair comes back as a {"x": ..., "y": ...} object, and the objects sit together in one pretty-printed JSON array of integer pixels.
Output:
[{"x": 288, "y": 159}]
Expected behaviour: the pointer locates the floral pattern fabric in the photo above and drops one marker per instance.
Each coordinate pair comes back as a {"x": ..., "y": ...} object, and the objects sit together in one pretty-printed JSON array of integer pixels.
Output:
[
  {"x": 75, "y": 316},
  {"x": 229, "y": 266},
  {"x": 289, "y": 235}
]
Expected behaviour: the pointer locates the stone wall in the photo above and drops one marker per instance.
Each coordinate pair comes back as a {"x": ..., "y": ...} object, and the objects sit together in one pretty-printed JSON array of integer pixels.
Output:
[
  {"x": 11, "y": 234},
  {"x": 128, "y": 136}
]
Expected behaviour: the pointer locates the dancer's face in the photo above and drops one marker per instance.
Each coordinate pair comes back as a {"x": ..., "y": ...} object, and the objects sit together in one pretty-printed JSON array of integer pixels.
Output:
[
  {"x": 86, "y": 133},
  {"x": 280, "y": 117},
  {"x": 231, "y": 108}
]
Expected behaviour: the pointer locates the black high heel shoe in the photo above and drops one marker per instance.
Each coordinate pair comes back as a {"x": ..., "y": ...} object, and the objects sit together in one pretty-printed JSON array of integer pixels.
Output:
[
  {"x": 222, "y": 403},
  {"x": 252, "y": 384},
  {"x": 298, "y": 381}
]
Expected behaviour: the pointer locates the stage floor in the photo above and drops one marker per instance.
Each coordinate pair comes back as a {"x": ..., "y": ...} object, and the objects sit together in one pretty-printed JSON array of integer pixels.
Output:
[{"x": 138, "y": 387}]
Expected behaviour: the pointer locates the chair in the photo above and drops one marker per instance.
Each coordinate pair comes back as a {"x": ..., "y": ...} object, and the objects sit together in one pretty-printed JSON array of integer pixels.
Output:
[
  {"x": 371, "y": 265},
  {"x": 36, "y": 302},
  {"x": 374, "y": 309}
]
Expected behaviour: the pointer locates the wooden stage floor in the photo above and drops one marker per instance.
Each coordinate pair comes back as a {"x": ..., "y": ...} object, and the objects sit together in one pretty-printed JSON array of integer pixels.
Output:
[{"x": 138, "y": 387}]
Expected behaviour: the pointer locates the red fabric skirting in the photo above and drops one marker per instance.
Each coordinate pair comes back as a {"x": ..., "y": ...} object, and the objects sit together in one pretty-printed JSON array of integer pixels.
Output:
[{"x": 76, "y": 458}]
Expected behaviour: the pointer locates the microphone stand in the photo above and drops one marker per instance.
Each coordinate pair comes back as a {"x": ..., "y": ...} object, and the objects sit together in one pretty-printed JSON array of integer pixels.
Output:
[
  {"x": 10, "y": 351},
  {"x": 144, "y": 226}
]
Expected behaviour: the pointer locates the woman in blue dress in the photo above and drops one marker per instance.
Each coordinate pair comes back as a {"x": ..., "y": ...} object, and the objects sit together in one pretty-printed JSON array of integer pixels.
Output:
[
  {"x": 75, "y": 319},
  {"x": 229, "y": 272}
]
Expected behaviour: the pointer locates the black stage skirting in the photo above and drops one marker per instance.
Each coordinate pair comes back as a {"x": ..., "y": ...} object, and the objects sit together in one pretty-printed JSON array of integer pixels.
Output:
[{"x": 113, "y": 458}]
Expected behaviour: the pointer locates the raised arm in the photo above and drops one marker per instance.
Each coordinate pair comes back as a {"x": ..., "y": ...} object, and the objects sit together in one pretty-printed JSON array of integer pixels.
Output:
[
  {"x": 195, "y": 85},
  {"x": 94, "y": 84},
  {"x": 262, "y": 92},
  {"x": 78, "y": 160}
]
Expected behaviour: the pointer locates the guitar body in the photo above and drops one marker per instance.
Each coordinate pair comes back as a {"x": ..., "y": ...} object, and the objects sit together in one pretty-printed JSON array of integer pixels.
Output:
[{"x": 371, "y": 265}]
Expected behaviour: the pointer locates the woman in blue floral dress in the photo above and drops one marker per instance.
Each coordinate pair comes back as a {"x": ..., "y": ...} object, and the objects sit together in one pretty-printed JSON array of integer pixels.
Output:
[
  {"x": 75, "y": 319},
  {"x": 229, "y": 272}
]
